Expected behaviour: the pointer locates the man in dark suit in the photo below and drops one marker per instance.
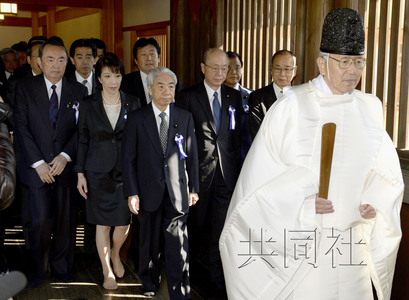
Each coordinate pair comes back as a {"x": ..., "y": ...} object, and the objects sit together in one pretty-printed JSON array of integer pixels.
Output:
[
  {"x": 160, "y": 173},
  {"x": 46, "y": 129},
  {"x": 83, "y": 53},
  {"x": 146, "y": 56},
  {"x": 34, "y": 69},
  {"x": 216, "y": 110},
  {"x": 283, "y": 71},
  {"x": 233, "y": 79},
  {"x": 9, "y": 59}
]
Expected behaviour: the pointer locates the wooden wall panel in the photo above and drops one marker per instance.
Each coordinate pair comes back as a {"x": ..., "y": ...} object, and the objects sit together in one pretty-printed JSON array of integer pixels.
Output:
[
  {"x": 404, "y": 90},
  {"x": 393, "y": 58},
  {"x": 193, "y": 31}
]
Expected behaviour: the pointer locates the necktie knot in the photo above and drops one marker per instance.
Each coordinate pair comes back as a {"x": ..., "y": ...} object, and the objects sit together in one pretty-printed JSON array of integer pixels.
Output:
[
  {"x": 85, "y": 82},
  {"x": 53, "y": 87}
]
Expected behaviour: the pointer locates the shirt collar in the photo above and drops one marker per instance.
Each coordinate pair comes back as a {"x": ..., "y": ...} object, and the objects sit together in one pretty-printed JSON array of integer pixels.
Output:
[
  {"x": 210, "y": 91},
  {"x": 49, "y": 84},
  {"x": 277, "y": 90},
  {"x": 143, "y": 76},
  {"x": 157, "y": 111},
  {"x": 80, "y": 79}
]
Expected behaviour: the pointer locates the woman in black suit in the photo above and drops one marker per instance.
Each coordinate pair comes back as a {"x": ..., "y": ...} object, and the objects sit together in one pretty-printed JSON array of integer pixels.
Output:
[{"x": 101, "y": 122}]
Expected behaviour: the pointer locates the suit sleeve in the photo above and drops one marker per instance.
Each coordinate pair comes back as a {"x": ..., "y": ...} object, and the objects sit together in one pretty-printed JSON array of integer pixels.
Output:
[
  {"x": 192, "y": 160},
  {"x": 129, "y": 155},
  {"x": 83, "y": 139},
  {"x": 71, "y": 146},
  {"x": 256, "y": 114},
  {"x": 25, "y": 139}
]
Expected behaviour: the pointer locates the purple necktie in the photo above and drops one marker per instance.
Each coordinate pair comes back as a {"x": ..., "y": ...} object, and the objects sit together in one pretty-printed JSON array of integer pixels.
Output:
[{"x": 53, "y": 108}]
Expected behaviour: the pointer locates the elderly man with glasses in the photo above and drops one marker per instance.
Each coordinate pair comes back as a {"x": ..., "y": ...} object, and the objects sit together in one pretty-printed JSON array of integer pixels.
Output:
[
  {"x": 283, "y": 72},
  {"x": 283, "y": 241},
  {"x": 216, "y": 110}
]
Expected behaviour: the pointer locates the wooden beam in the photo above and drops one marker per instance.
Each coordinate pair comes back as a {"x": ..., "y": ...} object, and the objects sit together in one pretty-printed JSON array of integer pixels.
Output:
[
  {"x": 69, "y": 3},
  {"x": 15, "y": 21},
  {"x": 107, "y": 21},
  {"x": 34, "y": 24},
  {"x": 118, "y": 33},
  {"x": 147, "y": 26},
  {"x": 69, "y": 14},
  {"x": 32, "y": 7},
  {"x": 51, "y": 21}
]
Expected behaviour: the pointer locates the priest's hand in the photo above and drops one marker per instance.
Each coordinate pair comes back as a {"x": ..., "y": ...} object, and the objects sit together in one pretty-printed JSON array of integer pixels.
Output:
[
  {"x": 323, "y": 206},
  {"x": 133, "y": 204},
  {"x": 367, "y": 211}
]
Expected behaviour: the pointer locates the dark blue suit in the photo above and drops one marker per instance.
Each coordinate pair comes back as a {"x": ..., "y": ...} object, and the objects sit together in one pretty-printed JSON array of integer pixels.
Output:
[{"x": 51, "y": 205}]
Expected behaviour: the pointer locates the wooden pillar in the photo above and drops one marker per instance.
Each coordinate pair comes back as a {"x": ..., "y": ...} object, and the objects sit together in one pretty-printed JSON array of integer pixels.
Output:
[
  {"x": 196, "y": 26},
  {"x": 51, "y": 21},
  {"x": 118, "y": 24},
  {"x": 316, "y": 13},
  {"x": 107, "y": 24},
  {"x": 34, "y": 23}
]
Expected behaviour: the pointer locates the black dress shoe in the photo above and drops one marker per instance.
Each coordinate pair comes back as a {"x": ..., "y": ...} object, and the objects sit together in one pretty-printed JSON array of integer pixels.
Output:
[{"x": 36, "y": 279}]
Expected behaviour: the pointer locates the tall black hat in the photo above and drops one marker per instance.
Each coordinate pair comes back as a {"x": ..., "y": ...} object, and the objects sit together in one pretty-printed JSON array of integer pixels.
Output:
[{"x": 343, "y": 32}]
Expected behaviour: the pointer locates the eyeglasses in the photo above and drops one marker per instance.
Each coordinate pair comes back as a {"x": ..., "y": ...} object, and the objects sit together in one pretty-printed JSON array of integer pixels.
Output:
[
  {"x": 285, "y": 70},
  {"x": 214, "y": 69},
  {"x": 237, "y": 69},
  {"x": 345, "y": 62}
]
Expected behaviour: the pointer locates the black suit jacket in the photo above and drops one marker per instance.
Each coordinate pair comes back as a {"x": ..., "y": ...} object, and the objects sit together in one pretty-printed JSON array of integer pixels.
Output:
[
  {"x": 223, "y": 149},
  {"x": 260, "y": 101},
  {"x": 36, "y": 138},
  {"x": 246, "y": 139},
  {"x": 132, "y": 84},
  {"x": 11, "y": 86},
  {"x": 99, "y": 146},
  {"x": 146, "y": 172},
  {"x": 94, "y": 82}
]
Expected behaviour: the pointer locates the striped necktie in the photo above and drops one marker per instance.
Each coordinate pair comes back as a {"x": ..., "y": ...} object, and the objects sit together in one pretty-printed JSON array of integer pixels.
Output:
[
  {"x": 53, "y": 108},
  {"x": 163, "y": 131}
]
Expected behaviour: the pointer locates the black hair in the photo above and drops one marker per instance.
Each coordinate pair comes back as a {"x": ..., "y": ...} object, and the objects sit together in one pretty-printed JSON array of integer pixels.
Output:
[
  {"x": 142, "y": 42},
  {"x": 31, "y": 45},
  {"x": 112, "y": 62},
  {"x": 88, "y": 43},
  {"x": 53, "y": 42},
  {"x": 281, "y": 52},
  {"x": 232, "y": 54}
]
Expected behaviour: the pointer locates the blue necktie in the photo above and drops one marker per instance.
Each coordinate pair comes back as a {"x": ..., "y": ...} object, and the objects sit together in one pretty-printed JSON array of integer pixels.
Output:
[
  {"x": 216, "y": 112},
  {"x": 53, "y": 108}
]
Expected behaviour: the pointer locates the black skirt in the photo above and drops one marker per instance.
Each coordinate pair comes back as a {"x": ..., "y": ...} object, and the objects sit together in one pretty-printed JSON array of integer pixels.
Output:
[{"x": 106, "y": 204}]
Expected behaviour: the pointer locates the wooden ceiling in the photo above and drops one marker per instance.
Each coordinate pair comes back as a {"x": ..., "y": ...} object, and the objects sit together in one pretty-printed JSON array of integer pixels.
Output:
[
  {"x": 73, "y": 9},
  {"x": 42, "y": 5}
]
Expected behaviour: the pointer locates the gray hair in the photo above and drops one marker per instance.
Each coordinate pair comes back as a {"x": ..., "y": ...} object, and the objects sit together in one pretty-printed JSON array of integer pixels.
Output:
[
  {"x": 6, "y": 51},
  {"x": 155, "y": 72},
  {"x": 324, "y": 55}
]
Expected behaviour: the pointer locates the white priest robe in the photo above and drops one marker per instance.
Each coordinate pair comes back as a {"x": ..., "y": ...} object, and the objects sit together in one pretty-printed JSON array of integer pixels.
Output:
[{"x": 274, "y": 245}]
